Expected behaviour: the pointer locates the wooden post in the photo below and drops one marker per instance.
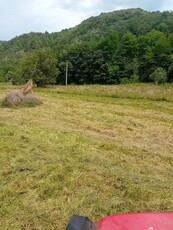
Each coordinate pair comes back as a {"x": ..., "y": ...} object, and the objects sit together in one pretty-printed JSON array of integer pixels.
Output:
[{"x": 66, "y": 78}]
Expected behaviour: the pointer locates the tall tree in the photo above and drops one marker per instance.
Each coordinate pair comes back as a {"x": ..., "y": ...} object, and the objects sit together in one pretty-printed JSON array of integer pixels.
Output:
[{"x": 40, "y": 66}]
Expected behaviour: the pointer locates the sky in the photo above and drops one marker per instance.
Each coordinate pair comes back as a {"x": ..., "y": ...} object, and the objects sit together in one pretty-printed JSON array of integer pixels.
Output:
[{"x": 24, "y": 16}]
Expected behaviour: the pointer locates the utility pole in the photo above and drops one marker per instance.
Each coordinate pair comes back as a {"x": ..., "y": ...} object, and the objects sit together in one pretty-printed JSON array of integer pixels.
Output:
[{"x": 66, "y": 78}]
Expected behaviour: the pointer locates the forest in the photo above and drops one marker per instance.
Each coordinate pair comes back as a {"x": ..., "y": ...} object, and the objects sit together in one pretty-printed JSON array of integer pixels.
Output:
[{"x": 123, "y": 46}]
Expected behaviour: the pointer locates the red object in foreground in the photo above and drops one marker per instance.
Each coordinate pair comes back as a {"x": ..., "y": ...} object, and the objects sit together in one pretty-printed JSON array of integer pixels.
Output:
[{"x": 137, "y": 221}]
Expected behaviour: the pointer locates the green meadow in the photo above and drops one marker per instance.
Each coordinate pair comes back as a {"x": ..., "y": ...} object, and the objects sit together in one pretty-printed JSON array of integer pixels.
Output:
[{"x": 87, "y": 150}]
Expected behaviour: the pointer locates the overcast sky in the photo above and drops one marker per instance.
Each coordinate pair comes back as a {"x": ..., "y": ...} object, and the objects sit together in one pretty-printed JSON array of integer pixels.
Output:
[{"x": 24, "y": 16}]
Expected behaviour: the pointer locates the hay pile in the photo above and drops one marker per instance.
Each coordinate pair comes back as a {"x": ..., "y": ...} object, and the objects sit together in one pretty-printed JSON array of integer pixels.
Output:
[{"x": 24, "y": 96}]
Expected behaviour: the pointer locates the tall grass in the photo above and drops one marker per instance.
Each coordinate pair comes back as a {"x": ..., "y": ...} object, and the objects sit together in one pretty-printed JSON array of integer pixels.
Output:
[{"x": 130, "y": 91}]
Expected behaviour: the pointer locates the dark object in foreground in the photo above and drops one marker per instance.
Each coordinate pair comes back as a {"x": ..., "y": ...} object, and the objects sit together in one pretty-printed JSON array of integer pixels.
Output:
[
  {"x": 130, "y": 221},
  {"x": 80, "y": 223},
  {"x": 24, "y": 96}
]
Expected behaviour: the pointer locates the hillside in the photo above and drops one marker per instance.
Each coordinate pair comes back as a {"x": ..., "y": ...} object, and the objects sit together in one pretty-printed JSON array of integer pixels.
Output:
[
  {"x": 136, "y": 21},
  {"x": 115, "y": 47}
]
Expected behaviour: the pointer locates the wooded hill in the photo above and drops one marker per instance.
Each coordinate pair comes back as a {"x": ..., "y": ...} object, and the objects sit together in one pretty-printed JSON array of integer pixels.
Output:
[{"x": 121, "y": 46}]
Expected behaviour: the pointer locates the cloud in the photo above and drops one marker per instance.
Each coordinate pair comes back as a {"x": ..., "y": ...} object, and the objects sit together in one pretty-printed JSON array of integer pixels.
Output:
[
  {"x": 23, "y": 16},
  {"x": 124, "y": 4}
]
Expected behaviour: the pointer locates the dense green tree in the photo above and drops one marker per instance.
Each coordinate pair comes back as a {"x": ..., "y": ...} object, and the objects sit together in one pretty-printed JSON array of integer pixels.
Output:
[
  {"x": 80, "y": 59},
  {"x": 7, "y": 68},
  {"x": 154, "y": 52},
  {"x": 127, "y": 58},
  {"x": 113, "y": 60},
  {"x": 170, "y": 72},
  {"x": 109, "y": 45},
  {"x": 40, "y": 66},
  {"x": 129, "y": 45},
  {"x": 109, "y": 48}
]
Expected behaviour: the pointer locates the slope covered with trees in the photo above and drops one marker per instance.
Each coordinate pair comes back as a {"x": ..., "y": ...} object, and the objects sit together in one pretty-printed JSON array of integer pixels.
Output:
[
  {"x": 120, "y": 59},
  {"x": 121, "y": 46}
]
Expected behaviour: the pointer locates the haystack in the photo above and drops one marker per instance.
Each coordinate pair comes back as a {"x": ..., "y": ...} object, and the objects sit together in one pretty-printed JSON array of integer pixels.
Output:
[{"x": 24, "y": 96}]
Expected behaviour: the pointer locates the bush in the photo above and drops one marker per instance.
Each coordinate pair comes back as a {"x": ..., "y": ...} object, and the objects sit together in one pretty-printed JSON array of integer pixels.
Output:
[
  {"x": 159, "y": 76},
  {"x": 40, "y": 66}
]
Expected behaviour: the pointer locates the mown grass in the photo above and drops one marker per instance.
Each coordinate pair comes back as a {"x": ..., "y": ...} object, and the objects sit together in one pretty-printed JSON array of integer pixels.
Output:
[{"x": 87, "y": 150}]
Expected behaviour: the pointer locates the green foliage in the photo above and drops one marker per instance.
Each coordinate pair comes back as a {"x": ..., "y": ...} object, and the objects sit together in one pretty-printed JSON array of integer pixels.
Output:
[
  {"x": 2, "y": 79},
  {"x": 170, "y": 73},
  {"x": 136, "y": 21},
  {"x": 87, "y": 65},
  {"x": 159, "y": 76},
  {"x": 116, "y": 47},
  {"x": 113, "y": 73},
  {"x": 7, "y": 68},
  {"x": 109, "y": 45},
  {"x": 113, "y": 61},
  {"x": 40, "y": 66}
]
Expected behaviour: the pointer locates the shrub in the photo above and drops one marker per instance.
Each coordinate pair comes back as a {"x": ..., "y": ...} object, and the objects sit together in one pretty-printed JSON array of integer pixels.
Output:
[{"x": 159, "y": 76}]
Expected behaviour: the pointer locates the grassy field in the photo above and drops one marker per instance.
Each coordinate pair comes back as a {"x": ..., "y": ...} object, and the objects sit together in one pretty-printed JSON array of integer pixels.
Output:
[{"x": 87, "y": 150}]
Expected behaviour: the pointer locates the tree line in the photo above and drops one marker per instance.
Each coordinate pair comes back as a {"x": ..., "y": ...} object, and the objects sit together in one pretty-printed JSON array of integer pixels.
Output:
[
  {"x": 111, "y": 48},
  {"x": 120, "y": 59},
  {"x": 112, "y": 60}
]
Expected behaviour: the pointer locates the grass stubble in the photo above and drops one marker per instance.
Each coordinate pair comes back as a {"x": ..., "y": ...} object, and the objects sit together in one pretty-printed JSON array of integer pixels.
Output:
[{"x": 87, "y": 150}]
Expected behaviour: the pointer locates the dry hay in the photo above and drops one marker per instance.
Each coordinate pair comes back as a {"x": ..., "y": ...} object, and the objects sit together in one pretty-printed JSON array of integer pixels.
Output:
[{"x": 24, "y": 96}]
